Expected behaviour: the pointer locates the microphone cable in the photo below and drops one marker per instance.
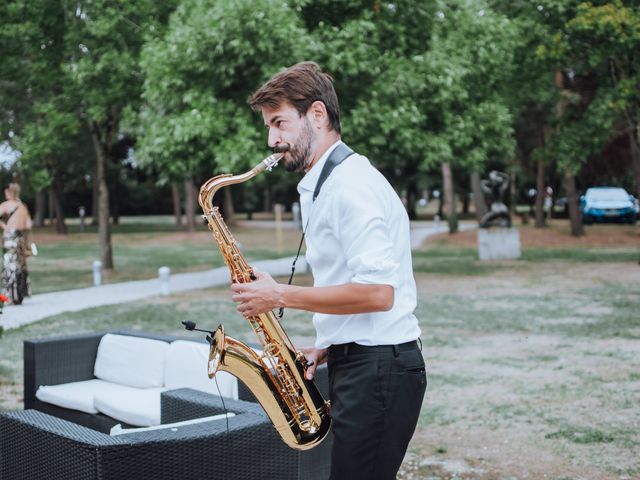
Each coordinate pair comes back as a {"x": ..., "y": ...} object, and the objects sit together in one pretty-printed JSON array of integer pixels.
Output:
[{"x": 224, "y": 407}]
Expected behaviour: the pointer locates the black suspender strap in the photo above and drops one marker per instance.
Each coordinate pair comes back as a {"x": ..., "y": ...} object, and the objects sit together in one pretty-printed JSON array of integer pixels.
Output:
[{"x": 339, "y": 154}]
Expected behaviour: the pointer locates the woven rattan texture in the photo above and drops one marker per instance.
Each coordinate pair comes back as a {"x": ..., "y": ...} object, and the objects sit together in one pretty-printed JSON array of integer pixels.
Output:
[{"x": 37, "y": 446}]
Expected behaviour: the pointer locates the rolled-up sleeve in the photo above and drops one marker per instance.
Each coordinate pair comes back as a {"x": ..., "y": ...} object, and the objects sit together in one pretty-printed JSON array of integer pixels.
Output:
[{"x": 359, "y": 222}]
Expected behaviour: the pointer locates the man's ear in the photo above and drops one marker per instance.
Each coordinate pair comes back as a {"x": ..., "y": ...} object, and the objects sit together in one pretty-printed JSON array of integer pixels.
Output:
[{"x": 318, "y": 114}]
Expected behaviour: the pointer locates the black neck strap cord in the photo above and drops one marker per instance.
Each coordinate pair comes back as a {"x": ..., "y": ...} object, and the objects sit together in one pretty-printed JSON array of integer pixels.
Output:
[{"x": 339, "y": 154}]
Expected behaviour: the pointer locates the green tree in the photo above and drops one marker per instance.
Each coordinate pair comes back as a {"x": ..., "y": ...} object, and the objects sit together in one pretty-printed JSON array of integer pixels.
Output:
[
  {"x": 197, "y": 78},
  {"x": 104, "y": 40},
  {"x": 394, "y": 33},
  {"x": 533, "y": 97},
  {"x": 443, "y": 106},
  {"x": 36, "y": 98},
  {"x": 601, "y": 43},
  {"x": 597, "y": 73}
]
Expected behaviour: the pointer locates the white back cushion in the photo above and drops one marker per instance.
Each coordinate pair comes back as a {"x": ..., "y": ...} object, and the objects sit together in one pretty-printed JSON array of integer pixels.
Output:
[
  {"x": 133, "y": 361},
  {"x": 186, "y": 367}
]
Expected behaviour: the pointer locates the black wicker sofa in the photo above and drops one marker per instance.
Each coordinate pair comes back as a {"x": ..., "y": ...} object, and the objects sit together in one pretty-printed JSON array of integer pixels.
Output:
[{"x": 47, "y": 442}]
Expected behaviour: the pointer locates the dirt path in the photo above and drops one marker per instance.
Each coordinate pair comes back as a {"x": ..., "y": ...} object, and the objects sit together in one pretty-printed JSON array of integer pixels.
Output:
[{"x": 556, "y": 235}]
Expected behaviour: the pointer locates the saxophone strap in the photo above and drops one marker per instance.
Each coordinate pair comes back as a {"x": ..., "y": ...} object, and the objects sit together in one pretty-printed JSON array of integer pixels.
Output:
[{"x": 339, "y": 155}]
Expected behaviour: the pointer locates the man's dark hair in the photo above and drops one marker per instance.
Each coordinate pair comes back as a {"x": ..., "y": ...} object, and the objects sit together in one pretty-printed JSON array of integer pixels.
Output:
[{"x": 300, "y": 85}]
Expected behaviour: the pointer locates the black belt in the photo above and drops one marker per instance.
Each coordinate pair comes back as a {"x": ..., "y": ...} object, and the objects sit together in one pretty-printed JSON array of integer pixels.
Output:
[{"x": 345, "y": 349}]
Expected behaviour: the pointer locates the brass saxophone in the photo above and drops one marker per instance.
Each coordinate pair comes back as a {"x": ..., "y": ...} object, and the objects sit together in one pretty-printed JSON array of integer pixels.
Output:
[{"x": 294, "y": 404}]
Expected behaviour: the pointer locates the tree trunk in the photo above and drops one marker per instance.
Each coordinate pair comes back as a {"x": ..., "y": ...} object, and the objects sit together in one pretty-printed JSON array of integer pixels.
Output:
[
  {"x": 449, "y": 198},
  {"x": 634, "y": 144},
  {"x": 115, "y": 209},
  {"x": 116, "y": 190},
  {"x": 52, "y": 214},
  {"x": 229, "y": 211},
  {"x": 94, "y": 200},
  {"x": 572, "y": 201},
  {"x": 452, "y": 216},
  {"x": 540, "y": 187},
  {"x": 512, "y": 196},
  {"x": 177, "y": 211},
  {"x": 190, "y": 204},
  {"x": 41, "y": 203},
  {"x": 104, "y": 229},
  {"x": 412, "y": 194},
  {"x": 540, "y": 192},
  {"x": 58, "y": 193},
  {"x": 447, "y": 188},
  {"x": 479, "y": 202}
]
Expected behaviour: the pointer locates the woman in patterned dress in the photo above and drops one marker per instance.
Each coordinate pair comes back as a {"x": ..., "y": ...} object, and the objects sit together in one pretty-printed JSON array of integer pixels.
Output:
[{"x": 16, "y": 225}]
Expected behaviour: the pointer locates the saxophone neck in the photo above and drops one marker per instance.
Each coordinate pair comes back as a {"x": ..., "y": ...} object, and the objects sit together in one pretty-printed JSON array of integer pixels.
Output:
[{"x": 211, "y": 186}]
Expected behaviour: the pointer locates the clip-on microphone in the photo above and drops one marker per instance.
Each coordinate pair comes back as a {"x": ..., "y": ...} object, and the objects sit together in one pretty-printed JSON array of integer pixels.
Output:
[{"x": 191, "y": 326}]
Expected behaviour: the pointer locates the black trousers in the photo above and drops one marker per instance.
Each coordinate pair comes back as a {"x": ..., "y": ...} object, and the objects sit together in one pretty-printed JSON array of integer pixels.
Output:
[{"x": 376, "y": 395}]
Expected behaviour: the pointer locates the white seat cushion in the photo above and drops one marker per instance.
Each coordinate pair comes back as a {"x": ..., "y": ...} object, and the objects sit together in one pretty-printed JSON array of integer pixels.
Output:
[
  {"x": 133, "y": 361},
  {"x": 76, "y": 395},
  {"x": 118, "y": 430},
  {"x": 135, "y": 406},
  {"x": 186, "y": 367}
]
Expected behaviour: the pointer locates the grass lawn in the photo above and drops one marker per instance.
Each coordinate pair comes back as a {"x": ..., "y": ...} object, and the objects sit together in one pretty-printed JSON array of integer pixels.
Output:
[
  {"x": 533, "y": 364},
  {"x": 65, "y": 262}
]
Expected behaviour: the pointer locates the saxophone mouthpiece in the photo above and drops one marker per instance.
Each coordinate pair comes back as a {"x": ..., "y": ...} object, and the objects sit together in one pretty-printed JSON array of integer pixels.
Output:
[
  {"x": 281, "y": 148},
  {"x": 273, "y": 159}
]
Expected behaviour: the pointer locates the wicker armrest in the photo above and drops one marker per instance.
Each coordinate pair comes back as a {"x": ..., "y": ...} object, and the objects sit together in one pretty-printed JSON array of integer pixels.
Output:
[
  {"x": 37, "y": 446},
  {"x": 56, "y": 360},
  {"x": 186, "y": 404}
]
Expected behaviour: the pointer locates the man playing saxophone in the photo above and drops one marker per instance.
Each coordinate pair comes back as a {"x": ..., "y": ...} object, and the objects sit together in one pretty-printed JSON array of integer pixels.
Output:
[{"x": 364, "y": 293}]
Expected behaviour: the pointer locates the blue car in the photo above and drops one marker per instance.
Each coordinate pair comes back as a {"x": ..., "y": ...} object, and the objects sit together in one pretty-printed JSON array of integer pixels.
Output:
[{"x": 608, "y": 204}]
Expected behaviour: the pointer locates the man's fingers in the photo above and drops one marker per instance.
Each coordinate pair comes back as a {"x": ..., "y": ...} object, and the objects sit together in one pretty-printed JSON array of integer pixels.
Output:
[
  {"x": 238, "y": 297},
  {"x": 311, "y": 371}
]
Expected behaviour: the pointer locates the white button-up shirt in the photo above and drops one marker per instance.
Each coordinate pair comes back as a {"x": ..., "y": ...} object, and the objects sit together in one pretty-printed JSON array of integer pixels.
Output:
[{"x": 358, "y": 232}]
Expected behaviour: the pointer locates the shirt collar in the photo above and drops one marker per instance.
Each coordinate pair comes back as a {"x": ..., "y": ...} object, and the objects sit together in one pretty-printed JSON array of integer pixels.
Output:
[{"x": 309, "y": 181}]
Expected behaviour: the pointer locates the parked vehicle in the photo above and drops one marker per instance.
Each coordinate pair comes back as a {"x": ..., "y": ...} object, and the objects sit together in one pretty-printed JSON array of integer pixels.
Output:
[{"x": 608, "y": 204}]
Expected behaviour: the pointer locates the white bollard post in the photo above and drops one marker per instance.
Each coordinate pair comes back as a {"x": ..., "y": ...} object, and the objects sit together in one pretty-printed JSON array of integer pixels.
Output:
[
  {"x": 436, "y": 221},
  {"x": 297, "y": 219},
  {"x": 97, "y": 273},
  {"x": 278, "y": 209},
  {"x": 164, "y": 274},
  {"x": 81, "y": 214}
]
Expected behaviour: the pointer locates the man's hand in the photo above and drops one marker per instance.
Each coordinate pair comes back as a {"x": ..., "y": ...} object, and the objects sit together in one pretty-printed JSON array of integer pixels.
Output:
[
  {"x": 315, "y": 357},
  {"x": 259, "y": 296}
]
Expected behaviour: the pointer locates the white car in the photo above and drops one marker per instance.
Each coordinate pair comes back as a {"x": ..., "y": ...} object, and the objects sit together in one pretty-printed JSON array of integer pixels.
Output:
[{"x": 608, "y": 204}]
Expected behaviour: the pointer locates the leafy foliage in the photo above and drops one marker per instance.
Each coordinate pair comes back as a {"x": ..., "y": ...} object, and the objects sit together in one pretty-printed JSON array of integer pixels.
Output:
[{"x": 196, "y": 119}]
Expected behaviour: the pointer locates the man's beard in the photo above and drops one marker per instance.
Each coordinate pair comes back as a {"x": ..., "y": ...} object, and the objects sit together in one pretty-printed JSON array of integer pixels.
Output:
[{"x": 301, "y": 152}]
